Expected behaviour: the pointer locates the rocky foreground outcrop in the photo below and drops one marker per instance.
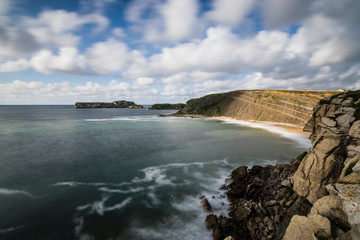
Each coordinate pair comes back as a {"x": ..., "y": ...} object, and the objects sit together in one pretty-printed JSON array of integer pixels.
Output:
[
  {"x": 115, "y": 104},
  {"x": 262, "y": 202},
  {"x": 329, "y": 175},
  {"x": 316, "y": 196}
]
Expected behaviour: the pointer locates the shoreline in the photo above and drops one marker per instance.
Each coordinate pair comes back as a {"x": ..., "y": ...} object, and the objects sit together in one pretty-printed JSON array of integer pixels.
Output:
[{"x": 286, "y": 130}]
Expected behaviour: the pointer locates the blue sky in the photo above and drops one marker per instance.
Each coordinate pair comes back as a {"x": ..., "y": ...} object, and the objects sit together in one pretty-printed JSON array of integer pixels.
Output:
[{"x": 153, "y": 51}]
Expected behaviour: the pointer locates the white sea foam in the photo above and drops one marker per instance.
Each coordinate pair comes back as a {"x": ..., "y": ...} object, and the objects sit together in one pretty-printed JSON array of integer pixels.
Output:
[
  {"x": 75, "y": 184},
  {"x": 127, "y": 118},
  {"x": 302, "y": 139},
  {"x": 5, "y": 191},
  {"x": 7, "y": 230},
  {"x": 131, "y": 190},
  {"x": 100, "y": 208}
]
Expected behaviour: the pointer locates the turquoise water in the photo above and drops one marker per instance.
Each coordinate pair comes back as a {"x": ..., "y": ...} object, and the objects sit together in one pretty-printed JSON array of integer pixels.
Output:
[{"x": 70, "y": 173}]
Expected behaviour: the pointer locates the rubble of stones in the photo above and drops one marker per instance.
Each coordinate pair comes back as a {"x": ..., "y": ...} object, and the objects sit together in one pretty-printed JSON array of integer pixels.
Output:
[{"x": 261, "y": 203}]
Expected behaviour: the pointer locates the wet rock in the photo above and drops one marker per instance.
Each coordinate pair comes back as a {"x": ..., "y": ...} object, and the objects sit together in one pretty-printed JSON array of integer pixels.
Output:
[
  {"x": 205, "y": 204},
  {"x": 210, "y": 221},
  {"x": 239, "y": 173},
  {"x": 229, "y": 238},
  {"x": 241, "y": 212}
]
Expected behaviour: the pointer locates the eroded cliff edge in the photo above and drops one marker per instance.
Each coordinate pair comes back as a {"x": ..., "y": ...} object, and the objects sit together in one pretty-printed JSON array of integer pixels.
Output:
[
  {"x": 329, "y": 175},
  {"x": 314, "y": 197},
  {"x": 282, "y": 106}
]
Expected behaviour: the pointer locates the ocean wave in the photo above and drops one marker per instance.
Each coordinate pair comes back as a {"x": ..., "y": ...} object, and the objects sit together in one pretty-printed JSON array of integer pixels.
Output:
[
  {"x": 127, "y": 118},
  {"x": 302, "y": 139},
  {"x": 100, "y": 208},
  {"x": 7, "y": 230},
  {"x": 131, "y": 190},
  {"x": 5, "y": 191},
  {"x": 75, "y": 184}
]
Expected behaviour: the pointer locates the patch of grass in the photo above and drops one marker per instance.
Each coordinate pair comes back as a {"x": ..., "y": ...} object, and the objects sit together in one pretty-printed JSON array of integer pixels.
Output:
[{"x": 301, "y": 156}]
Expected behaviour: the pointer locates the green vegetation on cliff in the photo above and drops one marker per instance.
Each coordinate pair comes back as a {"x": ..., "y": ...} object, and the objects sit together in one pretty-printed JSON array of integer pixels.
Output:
[
  {"x": 115, "y": 104},
  {"x": 168, "y": 106}
]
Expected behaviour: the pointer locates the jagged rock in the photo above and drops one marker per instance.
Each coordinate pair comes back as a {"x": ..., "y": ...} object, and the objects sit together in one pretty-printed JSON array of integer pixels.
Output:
[
  {"x": 318, "y": 167},
  {"x": 241, "y": 212},
  {"x": 229, "y": 238},
  {"x": 328, "y": 122},
  {"x": 210, "y": 221},
  {"x": 239, "y": 173},
  {"x": 331, "y": 208},
  {"x": 299, "y": 229},
  {"x": 345, "y": 120},
  {"x": 337, "y": 100},
  {"x": 320, "y": 226},
  {"x": 350, "y": 198},
  {"x": 356, "y": 168},
  {"x": 345, "y": 110},
  {"x": 286, "y": 183},
  {"x": 355, "y": 130},
  {"x": 348, "y": 102},
  {"x": 205, "y": 204}
]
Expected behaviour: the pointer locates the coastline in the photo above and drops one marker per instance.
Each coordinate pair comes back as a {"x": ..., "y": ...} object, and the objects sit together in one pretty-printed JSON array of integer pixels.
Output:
[
  {"x": 261, "y": 198},
  {"x": 287, "y": 130}
]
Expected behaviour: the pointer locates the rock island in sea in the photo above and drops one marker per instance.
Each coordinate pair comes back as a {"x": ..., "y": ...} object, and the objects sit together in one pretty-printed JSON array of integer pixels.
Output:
[
  {"x": 114, "y": 104},
  {"x": 316, "y": 195}
]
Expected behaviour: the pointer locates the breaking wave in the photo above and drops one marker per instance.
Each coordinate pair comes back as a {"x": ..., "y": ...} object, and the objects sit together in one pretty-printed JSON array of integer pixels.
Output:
[{"x": 5, "y": 191}]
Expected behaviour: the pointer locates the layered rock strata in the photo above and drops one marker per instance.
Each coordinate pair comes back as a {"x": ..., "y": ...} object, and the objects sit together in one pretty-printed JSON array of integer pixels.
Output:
[
  {"x": 313, "y": 198},
  {"x": 293, "y": 107}
]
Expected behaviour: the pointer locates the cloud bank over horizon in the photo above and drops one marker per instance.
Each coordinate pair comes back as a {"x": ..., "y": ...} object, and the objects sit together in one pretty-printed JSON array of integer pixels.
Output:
[{"x": 173, "y": 50}]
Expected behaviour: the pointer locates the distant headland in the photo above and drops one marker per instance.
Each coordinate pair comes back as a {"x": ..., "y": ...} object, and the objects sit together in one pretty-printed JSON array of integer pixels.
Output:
[{"x": 129, "y": 104}]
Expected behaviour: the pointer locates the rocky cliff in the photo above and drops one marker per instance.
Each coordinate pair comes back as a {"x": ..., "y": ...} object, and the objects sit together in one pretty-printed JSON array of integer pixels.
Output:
[
  {"x": 315, "y": 196},
  {"x": 294, "y": 107},
  {"x": 329, "y": 175},
  {"x": 115, "y": 104},
  {"x": 168, "y": 106}
]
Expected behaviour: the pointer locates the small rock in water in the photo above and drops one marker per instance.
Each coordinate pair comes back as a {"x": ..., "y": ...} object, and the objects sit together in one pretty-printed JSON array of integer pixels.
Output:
[{"x": 205, "y": 204}]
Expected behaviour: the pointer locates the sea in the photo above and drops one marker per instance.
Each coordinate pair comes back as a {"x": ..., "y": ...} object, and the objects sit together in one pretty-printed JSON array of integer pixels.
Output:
[{"x": 86, "y": 174}]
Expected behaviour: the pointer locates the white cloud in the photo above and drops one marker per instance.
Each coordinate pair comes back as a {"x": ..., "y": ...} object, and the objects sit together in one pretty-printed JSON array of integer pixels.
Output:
[
  {"x": 56, "y": 27},
  {"x": 230, "y": 12},
  {"x": 4, "y": 6},
  {"x": 14, "y": 66},
  {"x": 282, "y": 13},
  {"x": 68, "y": 60},
  {"x": 109, "y": 56},
  {"x": 144, "y": 81},
  {"x": 220, "y": 51},
  {"x": 169, "y": 21},
  {"x": 20, "y": 92}
]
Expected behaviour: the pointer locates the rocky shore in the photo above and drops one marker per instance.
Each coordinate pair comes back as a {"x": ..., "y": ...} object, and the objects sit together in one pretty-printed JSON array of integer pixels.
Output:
[
  {"x": 262, "y": 202},
  {"x": 315, "y": 196}
]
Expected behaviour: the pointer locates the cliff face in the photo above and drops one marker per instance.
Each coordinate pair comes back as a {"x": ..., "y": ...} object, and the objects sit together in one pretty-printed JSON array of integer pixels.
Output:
[
  {"x": 168, "y": 106},
  {"x": 329, "y": 175},
  {"x": 115, "y": 104},
  {"x": 294, "y": 107}
]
